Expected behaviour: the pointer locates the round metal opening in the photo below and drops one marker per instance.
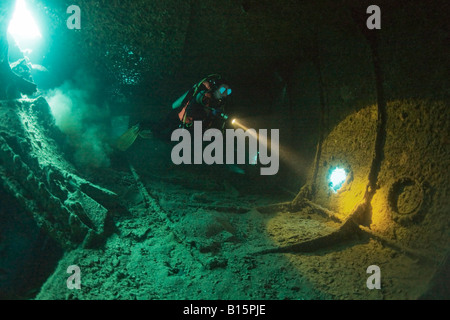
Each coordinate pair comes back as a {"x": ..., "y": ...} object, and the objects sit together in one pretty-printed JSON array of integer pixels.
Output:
[{"x": 405, "y": 197}]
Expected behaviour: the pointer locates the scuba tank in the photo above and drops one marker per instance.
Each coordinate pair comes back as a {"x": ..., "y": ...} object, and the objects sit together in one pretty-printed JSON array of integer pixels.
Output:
[
  {"x": 178, "y": 102},
  {"x": 211, "y": 78},
  {"x": 197, "y": 92}
]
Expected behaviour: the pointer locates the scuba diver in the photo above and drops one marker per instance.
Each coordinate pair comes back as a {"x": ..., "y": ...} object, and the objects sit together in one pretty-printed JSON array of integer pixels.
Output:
[{"x": 205, "y": 102}]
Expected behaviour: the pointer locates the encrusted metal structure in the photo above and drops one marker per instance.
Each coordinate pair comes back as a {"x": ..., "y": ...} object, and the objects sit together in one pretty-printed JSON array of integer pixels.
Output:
[{"x": 33, "y": 170}]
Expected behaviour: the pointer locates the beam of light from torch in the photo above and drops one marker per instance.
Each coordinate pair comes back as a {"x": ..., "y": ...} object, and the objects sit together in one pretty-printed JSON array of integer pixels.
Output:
[{"x": 296, "y": 163}]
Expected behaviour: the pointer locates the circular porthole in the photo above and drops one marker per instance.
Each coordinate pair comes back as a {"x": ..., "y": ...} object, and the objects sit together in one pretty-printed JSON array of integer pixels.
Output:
[
  {"x": 338, "y": 177},
  {"x": 405, "y": 199}
]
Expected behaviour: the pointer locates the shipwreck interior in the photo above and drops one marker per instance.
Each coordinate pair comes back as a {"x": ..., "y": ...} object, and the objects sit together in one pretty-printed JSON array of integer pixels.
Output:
[{"x": 361, "y": 104}]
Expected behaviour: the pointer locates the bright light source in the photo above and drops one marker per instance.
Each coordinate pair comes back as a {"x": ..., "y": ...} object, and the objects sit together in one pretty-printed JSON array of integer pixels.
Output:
[
  {"x": 232, "y": 122},
  {"x": 23, "y": 27},
  {"x": 337, "y": 178}
]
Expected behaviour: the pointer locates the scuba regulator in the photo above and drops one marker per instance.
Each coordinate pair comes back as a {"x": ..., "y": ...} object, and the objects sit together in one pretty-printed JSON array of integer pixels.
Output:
[{"x": 205, "y": 93}]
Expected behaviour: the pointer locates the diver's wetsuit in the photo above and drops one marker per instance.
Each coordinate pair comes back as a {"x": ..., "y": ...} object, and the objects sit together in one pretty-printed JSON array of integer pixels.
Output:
[{"x": 184, "y": 116}]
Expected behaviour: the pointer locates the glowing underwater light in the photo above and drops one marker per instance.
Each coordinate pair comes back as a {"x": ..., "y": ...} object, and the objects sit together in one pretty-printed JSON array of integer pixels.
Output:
[
  {"x": 23, "y": 27},
  {"x": 337, "y": 178}
]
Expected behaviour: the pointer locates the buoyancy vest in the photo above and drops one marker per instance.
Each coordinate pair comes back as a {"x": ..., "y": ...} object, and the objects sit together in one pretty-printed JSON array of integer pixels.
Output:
[{"x": 201, "y": 94}]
